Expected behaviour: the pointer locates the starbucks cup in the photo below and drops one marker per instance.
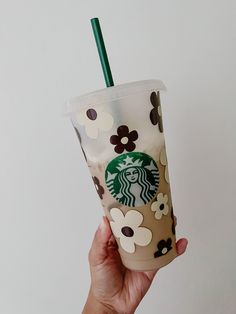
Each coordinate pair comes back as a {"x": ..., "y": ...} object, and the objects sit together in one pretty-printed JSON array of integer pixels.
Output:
[{"x": 121, "y": 134}]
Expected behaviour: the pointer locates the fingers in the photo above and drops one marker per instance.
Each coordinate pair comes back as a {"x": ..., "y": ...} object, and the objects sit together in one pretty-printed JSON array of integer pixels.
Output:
[
  {"x": 98, "y": 250},
  {"x": 104, "y": 241},
  {"x": 181, "y": 246}
]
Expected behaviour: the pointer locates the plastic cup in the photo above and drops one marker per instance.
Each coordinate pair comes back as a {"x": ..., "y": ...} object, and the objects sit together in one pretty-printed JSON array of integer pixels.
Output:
[{"x": 121, "y": 134}]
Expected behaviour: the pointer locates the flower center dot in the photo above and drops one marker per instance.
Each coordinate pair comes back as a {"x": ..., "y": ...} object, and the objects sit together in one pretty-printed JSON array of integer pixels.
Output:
[
  {"x": 164, "y": 251},
  {"x": 162, "y": 206},
  {"x": 127, "y": 231},
  {"x": 91, "y": 114},
  {"x": 124, "y": 140}
]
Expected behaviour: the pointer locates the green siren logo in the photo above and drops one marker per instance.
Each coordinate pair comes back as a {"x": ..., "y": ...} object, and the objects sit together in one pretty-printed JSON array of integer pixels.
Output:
[{"x": 132, "y": 179}]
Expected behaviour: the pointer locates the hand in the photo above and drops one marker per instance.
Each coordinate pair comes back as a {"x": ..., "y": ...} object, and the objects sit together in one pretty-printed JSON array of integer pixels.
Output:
[{"x": 114, "y": 288}]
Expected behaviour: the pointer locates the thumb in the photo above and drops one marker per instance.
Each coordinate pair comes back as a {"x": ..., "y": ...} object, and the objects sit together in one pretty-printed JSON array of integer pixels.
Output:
[{"x": 98, "y": 250}]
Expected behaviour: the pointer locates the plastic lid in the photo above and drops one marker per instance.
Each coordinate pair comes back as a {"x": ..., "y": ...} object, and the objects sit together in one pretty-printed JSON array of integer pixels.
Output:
[{"x": 113, "y": 93}]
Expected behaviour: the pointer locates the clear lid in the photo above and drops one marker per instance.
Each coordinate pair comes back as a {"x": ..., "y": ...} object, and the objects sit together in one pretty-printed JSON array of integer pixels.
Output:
[{"x": 113, "y": 93}]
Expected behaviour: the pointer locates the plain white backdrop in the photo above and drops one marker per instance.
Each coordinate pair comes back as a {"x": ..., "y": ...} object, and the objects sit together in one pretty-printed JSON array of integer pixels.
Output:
[{"x": 49, "y": 210}]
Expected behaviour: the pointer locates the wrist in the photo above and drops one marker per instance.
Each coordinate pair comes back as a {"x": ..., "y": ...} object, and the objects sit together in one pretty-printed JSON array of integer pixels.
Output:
[{"x": 95, "y": 306}]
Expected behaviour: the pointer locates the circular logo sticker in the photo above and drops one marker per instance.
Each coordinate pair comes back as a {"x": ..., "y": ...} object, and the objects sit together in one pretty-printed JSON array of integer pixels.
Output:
[{"x": 132, "y": 179}]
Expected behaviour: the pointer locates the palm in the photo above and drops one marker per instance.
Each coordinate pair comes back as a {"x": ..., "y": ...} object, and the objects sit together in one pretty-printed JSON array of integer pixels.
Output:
[{"x": 117, "y": 285}]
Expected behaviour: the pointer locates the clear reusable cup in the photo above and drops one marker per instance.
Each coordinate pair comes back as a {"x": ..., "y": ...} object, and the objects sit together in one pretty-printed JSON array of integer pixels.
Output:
[{"x": 120, "y": 130}]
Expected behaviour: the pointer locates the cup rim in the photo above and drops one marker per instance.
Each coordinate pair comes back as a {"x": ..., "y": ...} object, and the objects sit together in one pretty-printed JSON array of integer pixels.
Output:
[{"x": 113, "y": 93}]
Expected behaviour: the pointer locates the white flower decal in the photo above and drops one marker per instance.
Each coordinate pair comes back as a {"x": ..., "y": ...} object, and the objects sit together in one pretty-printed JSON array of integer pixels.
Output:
[
  {"x": 160, "y": 206},
  {"x": 163, "y": 160},
  {"x": 95, "y": 120},
  {"x": 127, "y": 229}
]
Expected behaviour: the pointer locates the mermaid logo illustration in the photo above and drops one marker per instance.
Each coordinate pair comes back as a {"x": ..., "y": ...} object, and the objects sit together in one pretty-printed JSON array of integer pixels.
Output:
[{"x": 132, "y": 179}]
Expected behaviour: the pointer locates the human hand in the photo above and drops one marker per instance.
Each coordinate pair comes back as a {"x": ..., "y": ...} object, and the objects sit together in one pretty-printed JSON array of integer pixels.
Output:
[{"x": 114, "y": 288}]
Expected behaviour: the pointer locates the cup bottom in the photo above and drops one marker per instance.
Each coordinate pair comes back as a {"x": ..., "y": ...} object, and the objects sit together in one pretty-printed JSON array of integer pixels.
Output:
[{"x": 147, "y": 265}]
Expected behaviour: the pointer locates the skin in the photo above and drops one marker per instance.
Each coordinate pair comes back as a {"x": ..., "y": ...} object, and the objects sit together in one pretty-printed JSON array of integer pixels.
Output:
[{"x": 114, "y": 288}]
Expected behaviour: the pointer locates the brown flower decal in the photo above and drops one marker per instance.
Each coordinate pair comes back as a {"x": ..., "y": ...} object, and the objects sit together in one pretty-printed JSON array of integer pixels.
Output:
[
  {"x": 99, "y": 188},
  {"x": 124, "y": 140},
  {"x": 155, "y": 114},
  {"x": 163, "y": 247},
  {"x": 173, "y": 221},
  {"x": 77, "y": 132}
]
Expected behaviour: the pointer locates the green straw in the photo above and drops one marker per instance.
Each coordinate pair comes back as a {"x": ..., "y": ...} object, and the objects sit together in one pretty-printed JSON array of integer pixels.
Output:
[{"x": 102, "y": 51}]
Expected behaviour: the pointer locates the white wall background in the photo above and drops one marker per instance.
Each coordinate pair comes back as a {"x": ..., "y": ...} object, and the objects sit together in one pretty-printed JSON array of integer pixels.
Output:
[{"x": 48, "y": 207}]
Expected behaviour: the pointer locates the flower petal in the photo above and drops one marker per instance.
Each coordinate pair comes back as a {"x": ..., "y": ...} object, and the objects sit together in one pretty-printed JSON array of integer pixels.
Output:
[
  {"x": 153, "y": 99},
  {"x": 133, "y": 135},
  {"x": 130, "y": 146},
  {"x": 168, "y": 243},
  {"x": 142, "y": 236},
  {"x": 161, "y": 244},
  {"x": 127, "y": 244},
  {"x": 123, "y": 130},
  {"x": 100, "y": 191},
  {"x": 91, "y": 130},
  {"x": 165, "y": 210},
  {"x": 105, "y": 121},
  {"x": 117, "y": 215},
  {"x": 165, "y": 199},
  {"x": 167, "y": 175},
  {"x": 154, "y": 116},
  {"x": 116, "y": 229},
  {"x": 81, "y": 117},
  {"x": 119, "y": 148},
  {"x": 96, "y": 180},
  {"x": 160, "y": 197},
  {"x": 154, "y": 206},
  {"x": 133, "y": 218},
  {"x": 160, "y": 125},
  {"x": 114, "y": 139},
  {"x": 158, "y": 214},
  {"x": 163, "y": 158}
]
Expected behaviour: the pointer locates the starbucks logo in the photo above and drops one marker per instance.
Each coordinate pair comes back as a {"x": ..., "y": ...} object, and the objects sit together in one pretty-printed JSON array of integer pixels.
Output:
[{"x": 132, "y": 179}]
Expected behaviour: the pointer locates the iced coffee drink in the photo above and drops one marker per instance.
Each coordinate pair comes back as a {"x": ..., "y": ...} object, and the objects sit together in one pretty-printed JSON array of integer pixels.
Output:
[{"x": 121, "y": 133}]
